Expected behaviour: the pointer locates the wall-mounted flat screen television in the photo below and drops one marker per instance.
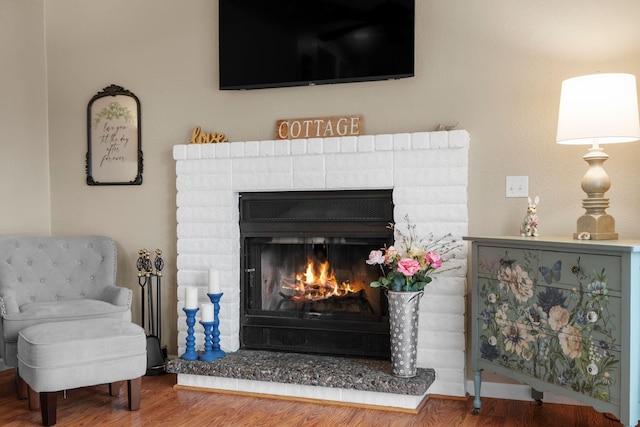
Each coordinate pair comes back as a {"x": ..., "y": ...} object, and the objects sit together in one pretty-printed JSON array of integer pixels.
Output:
[{"x": 276, "y": 43}]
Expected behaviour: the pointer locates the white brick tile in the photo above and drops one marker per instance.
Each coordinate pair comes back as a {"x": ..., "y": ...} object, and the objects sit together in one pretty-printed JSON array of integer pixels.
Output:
[
  {"x": 309, "y": 181},
  {"x": 420, "y": 141},
  {"x": 208, "y": 230},
  {"x": 193, "y": 151},
  {"x": 200, "y": 246},
  {"x": 376, "y": 161},
  {"x": 263, "y": 182},
  {"x": 282, "y": 147},
  {"x": 441, "y": 358},
  {"x": 202, "y": 182},
  {"x": 179, "y": 152},
  {"x": 332, "y": 145},
  {"x": 430, "y": 195},
  {"x": 203, "y": 167},
  {"x": 384, "y": 142},
  {"x": 435, "y": 213},
  {"x": 221, "y": 150},
  {"x": 267, "y": 148},
  {"x": 204, "y": 198},
  {"x": 203, "y": 261},
  {"x": 446, "y": 340},
  {"x": 442, "y": 322},
  {"x": 204, "y": 214},
  {"x": 298, "y": 147},
  {"x": 459, "y": 139},
  {"x": 252, "y": 148},
  {"x": 349, "y": 144},
  {"x": 236, "y": 149},
  {"x": 443, "y": 304},
  {"x": 315, "y": 146},
  {"x": 366, "y": 143},
  {"x": 401, "y": 141},
  {"x": 439, "y": 139},
  {"x": 208, "y": 151},
  {"x": 446, "y": 375}
]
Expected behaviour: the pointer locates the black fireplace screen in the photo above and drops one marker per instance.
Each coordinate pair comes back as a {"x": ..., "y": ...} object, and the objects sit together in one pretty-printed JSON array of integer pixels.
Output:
[{"x": 305, "y": 285}]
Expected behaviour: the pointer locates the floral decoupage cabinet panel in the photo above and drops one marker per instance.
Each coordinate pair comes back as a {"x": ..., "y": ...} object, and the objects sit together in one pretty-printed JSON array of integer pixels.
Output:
[{"x": 551, "y": 316}]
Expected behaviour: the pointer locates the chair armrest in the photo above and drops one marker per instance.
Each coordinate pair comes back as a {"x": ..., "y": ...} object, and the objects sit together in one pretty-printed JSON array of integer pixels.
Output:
[
  {"x": 117, "y": 295},
  {"x": 8, "y": 305}
]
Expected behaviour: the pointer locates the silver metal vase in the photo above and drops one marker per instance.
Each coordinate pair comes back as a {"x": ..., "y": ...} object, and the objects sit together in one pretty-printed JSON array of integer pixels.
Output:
[{"x": 404, "y": 309}]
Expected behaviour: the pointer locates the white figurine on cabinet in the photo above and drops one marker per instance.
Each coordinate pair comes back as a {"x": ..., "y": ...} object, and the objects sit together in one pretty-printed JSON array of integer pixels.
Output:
[{"x": 529, "y": 226}]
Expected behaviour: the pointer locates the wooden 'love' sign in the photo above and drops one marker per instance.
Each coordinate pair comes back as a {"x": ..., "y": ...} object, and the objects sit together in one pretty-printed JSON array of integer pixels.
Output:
[
  {"x": 197, "y": 137},
  {"x": 320, "y": 127}
]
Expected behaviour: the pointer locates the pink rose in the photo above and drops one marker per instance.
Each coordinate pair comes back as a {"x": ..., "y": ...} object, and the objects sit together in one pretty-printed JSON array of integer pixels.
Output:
[
  {"x": 433, "y": 259},
  {"x": 391, "y": 255},
  {"x": 375, "y": 257},
  {"x": 408, "y": 266}
]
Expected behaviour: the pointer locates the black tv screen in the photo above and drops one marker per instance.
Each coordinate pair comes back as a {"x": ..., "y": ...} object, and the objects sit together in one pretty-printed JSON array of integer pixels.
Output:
[{"x": 275, "y": 43}]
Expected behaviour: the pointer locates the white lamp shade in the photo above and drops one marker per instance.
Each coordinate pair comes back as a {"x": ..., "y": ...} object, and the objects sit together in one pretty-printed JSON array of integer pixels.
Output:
[{"x": 600, "y": 109}]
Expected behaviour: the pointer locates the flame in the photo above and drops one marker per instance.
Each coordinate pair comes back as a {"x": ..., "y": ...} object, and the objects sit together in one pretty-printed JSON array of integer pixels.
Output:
[{"x": 318, "y": 282}]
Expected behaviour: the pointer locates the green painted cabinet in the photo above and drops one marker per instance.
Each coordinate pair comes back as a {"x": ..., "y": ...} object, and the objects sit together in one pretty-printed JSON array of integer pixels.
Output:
[{"x": 560, "y": 315}]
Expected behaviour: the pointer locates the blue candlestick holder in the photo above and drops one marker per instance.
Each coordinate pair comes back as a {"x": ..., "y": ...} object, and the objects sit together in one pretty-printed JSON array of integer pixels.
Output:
[
  {"x": 208, "y": 355},
  {"x": 215, "y": 333},
  {"x": 190, "y": 351}
]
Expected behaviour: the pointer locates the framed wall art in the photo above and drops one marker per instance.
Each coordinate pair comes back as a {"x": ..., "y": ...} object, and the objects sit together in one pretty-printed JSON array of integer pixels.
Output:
[{"x": 114, "y": 153}]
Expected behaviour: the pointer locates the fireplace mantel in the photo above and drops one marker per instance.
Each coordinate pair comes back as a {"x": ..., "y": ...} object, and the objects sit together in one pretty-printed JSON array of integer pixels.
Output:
[{"x": 427, "y": 171}]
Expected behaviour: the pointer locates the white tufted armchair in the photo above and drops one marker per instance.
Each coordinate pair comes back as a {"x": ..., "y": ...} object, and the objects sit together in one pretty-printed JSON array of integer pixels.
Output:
[{"x": 52, "y": 279}]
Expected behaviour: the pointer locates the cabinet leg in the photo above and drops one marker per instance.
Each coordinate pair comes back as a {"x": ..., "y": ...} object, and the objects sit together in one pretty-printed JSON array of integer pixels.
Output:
[
  {"x": 537, "y": 396},
  {"x": 477, "y": 383}
]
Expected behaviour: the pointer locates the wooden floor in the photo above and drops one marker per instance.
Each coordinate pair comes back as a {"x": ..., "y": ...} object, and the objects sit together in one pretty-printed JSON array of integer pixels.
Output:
[{"x": 163, "y": 406}]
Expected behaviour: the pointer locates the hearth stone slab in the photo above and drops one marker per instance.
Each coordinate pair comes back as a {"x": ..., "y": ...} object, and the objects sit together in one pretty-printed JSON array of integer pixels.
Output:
[{"x": 309, "y": 370}]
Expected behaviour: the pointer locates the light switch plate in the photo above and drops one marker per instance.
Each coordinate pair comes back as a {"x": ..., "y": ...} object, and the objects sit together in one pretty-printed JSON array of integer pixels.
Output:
[{"x": 517, "y": 186}]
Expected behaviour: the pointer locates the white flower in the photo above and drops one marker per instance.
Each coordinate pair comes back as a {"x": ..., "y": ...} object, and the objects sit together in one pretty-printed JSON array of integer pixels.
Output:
[
  {"x": 493, "y": 340},
  {"x": 592, "y": 369},
  {"x": 592, "y": 317},
  {"x": 492, "y": 298}
]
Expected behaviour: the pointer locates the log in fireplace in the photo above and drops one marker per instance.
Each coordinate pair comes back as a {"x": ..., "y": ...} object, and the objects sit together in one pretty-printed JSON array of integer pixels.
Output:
[{"x": 304, "y": 282}]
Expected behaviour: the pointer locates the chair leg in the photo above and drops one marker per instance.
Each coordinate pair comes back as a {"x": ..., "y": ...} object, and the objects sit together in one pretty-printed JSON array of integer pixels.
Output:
[
  {"x": 34, "y": 399},
  {"x": 114, "y": 388},
  {"x": 133, "y": 389},
  {"x": 48, "y": 402},
  {"x": 22, "y": 387}
]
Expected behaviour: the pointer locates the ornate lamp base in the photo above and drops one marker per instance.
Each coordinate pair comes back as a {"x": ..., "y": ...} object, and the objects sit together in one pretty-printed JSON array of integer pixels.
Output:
[
  {"x": 599, "y": 227},
  {"x": 596, "y": 222}
]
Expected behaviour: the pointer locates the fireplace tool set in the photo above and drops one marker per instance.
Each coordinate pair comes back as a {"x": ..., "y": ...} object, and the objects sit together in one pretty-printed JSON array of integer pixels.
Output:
[{"x": 148, "y": 273}]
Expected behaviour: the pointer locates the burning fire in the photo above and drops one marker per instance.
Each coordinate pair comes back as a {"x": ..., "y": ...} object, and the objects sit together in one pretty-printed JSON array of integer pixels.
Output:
[{"x": 318, "y": 282}]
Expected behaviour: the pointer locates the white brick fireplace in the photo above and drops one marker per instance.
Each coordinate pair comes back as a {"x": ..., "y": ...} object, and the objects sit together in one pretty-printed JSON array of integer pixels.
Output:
[{"x": 427, "y": 172}]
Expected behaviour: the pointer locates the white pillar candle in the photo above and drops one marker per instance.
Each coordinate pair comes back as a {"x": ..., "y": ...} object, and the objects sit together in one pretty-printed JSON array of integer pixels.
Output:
[
  {"x": 206, "y": 311},
  {"x": 191, "y": 298},
  {"x": 214, "y": 281}
]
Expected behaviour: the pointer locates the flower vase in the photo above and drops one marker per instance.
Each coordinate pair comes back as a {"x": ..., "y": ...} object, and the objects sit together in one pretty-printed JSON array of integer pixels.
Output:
[{"x": 404, "y": 309}]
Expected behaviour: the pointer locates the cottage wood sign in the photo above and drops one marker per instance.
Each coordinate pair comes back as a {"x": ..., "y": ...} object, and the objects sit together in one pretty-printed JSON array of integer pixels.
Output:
[{"x": 319, "y": 127}]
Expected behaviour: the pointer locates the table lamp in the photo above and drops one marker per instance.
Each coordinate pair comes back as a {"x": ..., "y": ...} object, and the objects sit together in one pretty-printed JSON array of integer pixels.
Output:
[{"x": 597, "y": 109}]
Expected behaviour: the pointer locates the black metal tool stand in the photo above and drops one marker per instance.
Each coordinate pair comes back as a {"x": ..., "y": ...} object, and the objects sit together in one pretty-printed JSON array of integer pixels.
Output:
[{"x": 149, "y": 275}]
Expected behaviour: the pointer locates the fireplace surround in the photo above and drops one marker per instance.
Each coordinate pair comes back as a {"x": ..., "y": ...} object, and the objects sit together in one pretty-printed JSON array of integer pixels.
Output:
[{"x": 427, "y": 173}]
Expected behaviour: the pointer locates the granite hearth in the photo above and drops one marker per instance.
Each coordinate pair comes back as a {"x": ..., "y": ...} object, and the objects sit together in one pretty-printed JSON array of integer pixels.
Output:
[{"x": 306, "y": 377}]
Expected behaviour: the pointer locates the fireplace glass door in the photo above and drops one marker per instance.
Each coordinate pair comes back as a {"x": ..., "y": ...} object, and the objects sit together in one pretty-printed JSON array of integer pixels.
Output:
[{"x": 306, "y": 285}]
